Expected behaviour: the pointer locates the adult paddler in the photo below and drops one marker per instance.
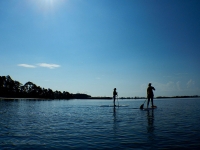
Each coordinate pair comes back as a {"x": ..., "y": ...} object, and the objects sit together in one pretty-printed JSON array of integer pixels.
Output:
[{"x": 150, "y": 95}]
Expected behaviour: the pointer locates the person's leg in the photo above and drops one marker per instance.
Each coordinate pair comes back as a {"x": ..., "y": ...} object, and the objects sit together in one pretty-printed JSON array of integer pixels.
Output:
[
  {"x": 114, "y": 101},
  {"x": 152, "y": 101}
]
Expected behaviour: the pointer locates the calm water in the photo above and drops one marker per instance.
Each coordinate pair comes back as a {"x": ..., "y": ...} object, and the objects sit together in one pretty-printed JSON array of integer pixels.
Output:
[{"x": 83, "y": 124}]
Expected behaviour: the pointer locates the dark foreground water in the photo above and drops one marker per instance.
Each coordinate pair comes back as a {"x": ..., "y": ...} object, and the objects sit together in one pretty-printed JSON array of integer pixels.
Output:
[{"x": 83, "y": 124}]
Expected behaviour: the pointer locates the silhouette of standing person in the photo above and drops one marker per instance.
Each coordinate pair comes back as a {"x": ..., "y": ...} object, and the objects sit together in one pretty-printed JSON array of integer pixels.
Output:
[
  {"x": 150, "y": 95},
  {"x": 114, "y": 95}
]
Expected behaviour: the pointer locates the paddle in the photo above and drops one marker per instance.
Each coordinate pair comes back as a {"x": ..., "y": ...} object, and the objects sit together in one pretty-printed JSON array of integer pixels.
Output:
[
  {"x": 141, "y": 107},
  {"x": 117, "y": 100}
]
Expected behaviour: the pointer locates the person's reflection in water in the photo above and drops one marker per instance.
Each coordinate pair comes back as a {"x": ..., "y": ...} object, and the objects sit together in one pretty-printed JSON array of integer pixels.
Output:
[
  {"x": 150, "y": 119},
  {"x": 114, "y": 114},
  {"x": 114, "y": 120}
]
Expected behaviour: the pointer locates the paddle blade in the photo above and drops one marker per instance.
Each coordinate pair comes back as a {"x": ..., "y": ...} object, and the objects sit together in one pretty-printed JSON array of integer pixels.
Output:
[{"x": 141, "y": 107}]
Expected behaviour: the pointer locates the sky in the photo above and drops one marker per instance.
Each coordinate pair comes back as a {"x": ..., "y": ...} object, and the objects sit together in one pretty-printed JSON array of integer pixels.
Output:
[{"x": 94, "y": 46}]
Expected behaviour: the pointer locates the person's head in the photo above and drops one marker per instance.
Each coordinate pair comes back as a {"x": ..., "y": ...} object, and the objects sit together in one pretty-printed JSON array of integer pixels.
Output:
[
  {"x": 114, "y": 89},
  {"x": 149, "y": 84}
]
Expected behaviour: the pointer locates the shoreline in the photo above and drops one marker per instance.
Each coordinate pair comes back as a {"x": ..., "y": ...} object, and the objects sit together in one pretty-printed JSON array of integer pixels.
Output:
[{"x": 96, "y": 98}]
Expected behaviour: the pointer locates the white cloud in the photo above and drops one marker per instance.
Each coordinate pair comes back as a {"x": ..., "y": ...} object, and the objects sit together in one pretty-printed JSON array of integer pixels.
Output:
[
  {"x": 180, "y": 74},
  {"x": 178, "y": 84},
  {"x": 50, "y": 66},
  {"x": 174, "y": 88},
  {"x": 26, "y": 66},
  {"x": 169, "y": 86},
  {"x": 167, "y": 76},
  {"x": 190, "y": 83}
]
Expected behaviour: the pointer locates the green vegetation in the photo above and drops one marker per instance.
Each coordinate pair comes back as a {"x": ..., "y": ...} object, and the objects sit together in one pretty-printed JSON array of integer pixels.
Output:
[{"x": 14, "y": 89}]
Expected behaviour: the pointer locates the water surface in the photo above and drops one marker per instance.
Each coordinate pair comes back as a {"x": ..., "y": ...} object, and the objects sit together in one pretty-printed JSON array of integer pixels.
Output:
[{"x": 83, "y": 124}]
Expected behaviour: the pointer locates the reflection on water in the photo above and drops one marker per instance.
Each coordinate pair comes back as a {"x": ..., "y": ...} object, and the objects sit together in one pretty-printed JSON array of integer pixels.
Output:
[
  {"x": 83, "y": 124},
  {"x": 150, "y": 120},
  {"x": 114, "y": 114},
  {"x": 150, "y": 126},
  {"x": 114, "y": 120}
]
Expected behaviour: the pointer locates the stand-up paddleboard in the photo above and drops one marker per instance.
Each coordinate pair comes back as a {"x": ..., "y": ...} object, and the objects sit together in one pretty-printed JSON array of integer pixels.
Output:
[
  {"x": 114, "y": 106},
  {"x": 150, "y": 108}
]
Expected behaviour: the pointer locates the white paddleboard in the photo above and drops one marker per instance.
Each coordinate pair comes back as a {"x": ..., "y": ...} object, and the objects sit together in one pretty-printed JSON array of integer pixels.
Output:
[
  {"x": 114, "y": 106},
  {"x": 150, "y": 108}
]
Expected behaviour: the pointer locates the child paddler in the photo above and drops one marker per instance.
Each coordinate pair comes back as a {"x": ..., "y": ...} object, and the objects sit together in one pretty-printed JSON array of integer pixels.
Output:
[{"x": 114, "y": 96}]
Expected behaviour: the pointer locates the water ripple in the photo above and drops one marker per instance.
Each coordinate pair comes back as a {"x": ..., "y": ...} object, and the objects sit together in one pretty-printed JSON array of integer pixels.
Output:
[{"x": 82, "y": 124}]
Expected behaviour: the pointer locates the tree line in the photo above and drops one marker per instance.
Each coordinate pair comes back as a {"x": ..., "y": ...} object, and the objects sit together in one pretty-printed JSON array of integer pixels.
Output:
[{"x": 14, "y": 89}]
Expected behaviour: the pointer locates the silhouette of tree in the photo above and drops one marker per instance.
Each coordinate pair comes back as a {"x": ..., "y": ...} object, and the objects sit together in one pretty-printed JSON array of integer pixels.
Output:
[
  {"x": 11, "y": 88},
  {"x": 8, "y": 86},
  {"x": 16, "y": 88},
  {"x": 2, "y": 85}
]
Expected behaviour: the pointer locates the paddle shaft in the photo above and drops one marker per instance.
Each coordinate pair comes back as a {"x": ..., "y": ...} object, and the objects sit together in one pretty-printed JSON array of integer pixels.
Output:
[
  {"x": 142, "y": 106},
  {"x": 117, "y": 101},
  {"x": 144, "y": 101}
]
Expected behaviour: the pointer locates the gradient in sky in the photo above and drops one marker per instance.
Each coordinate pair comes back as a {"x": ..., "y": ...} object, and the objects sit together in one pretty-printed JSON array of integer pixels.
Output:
[{"x": 94, "y": 46}]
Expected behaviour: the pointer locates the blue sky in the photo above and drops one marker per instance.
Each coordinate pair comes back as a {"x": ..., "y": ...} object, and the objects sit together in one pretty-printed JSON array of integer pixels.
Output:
[{"x": 94, "y": 46}]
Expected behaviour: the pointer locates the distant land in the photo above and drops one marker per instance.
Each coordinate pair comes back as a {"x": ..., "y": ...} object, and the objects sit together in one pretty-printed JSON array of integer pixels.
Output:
[
  {"x": 11, "y": 89},
  {"x": 159, "y": 97}
]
